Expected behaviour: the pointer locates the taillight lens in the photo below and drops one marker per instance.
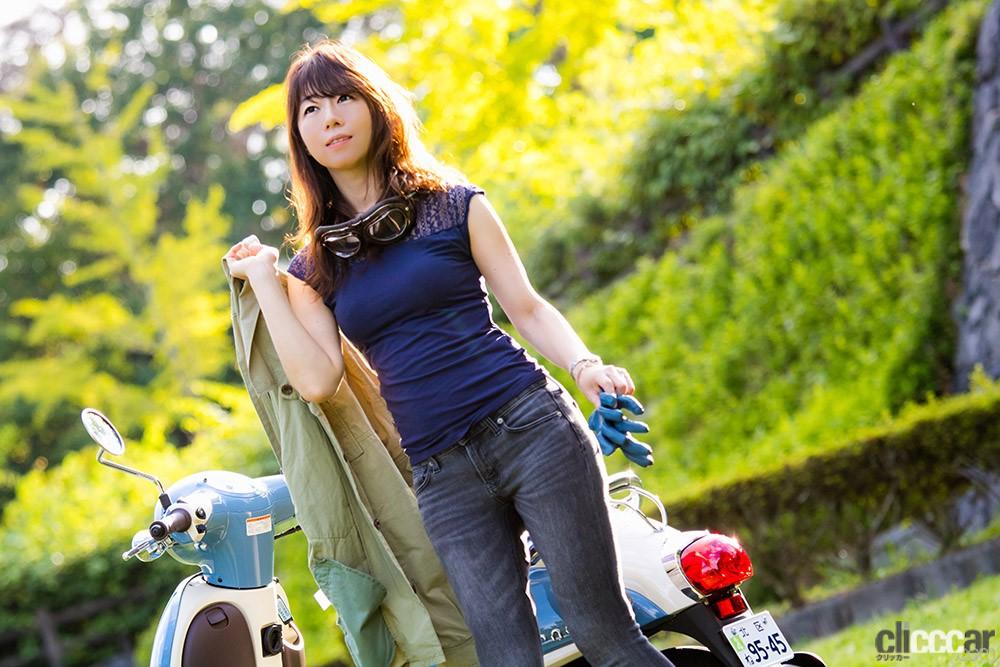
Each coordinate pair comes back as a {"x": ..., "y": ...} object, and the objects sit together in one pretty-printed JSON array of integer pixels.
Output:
[
  {"x": 714, "y": 563},
  {"x": 729, "y": 606}
]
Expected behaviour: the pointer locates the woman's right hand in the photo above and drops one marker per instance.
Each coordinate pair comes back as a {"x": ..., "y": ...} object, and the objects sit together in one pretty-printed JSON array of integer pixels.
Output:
[{"x": 251, "y": 256}]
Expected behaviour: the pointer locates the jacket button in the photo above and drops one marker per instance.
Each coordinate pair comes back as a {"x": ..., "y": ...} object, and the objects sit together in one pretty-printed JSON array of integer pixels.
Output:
[{"x": 286, "y": 389}]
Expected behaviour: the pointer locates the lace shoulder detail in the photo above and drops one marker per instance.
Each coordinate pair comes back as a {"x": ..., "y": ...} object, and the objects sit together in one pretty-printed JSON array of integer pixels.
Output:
[
  {"x": 300, "y": 265},
  {"x": 438, "y": 211}
]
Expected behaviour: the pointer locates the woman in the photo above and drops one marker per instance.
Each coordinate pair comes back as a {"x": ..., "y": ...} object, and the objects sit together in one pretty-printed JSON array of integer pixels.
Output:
[{"x": 497, "y": 446}]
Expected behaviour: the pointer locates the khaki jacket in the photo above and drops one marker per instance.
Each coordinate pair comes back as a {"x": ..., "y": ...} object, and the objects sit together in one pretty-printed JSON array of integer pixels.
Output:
[{"x": 350, "y": 482}]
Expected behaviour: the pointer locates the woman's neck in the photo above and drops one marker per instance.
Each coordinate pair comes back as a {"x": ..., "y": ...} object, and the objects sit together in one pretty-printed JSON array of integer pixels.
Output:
[{"x": 359, "y": 187}]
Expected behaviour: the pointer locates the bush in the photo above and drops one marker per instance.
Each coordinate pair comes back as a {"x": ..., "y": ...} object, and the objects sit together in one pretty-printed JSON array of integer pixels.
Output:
[{"x": 687, "y": 162}]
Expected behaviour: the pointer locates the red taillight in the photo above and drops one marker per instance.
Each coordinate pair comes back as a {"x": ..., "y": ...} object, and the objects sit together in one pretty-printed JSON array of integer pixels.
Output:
[
  {"x": 729, "y": 606},
  {"x": 714, "y": 563}
]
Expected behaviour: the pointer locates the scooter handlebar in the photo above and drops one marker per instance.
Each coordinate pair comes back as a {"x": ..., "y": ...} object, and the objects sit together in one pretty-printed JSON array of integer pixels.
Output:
[{"x": 175, "y": 521}]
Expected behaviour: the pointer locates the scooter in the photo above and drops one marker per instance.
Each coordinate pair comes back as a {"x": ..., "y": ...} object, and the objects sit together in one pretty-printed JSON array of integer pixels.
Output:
[{"x": 234, "y": 612}]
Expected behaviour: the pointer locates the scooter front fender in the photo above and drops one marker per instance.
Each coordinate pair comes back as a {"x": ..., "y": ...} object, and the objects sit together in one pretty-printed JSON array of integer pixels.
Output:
[
  {"x": 211, "y": 625},
  {"x": 163, "y": 641}
]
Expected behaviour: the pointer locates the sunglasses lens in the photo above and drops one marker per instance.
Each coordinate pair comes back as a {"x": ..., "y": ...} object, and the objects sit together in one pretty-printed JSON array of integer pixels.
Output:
[
  {"x": 343, "y": 246},
  {"x": 388, "y": 226}
]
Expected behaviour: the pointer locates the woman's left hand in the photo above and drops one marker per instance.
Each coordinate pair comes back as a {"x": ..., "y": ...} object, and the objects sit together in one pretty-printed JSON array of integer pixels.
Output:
[
  {"x": 592, "y": 380},
  {"x": 609, "y": 424}
]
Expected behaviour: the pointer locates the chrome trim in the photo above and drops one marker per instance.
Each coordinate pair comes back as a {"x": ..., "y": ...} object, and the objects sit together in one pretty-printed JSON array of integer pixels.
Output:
[
  {"x": 623, "y": 480},
  {"x": 630, "y": 482},
  {"x": 634, "y": 507},
  {"x": 671, "y": 561}
]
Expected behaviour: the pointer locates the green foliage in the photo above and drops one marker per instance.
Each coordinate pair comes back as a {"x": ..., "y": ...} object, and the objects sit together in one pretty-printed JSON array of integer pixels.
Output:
[
  {"x": 137, "y": 73},
  {"x": 907, "y": 470},
  {"x": 805, "y": 69},
  {"x": 687, "y": 167},
  {"x": 817, "y": 306},
  {"x": 690, "y": 158},
  {"x": 141, "y": 314}
]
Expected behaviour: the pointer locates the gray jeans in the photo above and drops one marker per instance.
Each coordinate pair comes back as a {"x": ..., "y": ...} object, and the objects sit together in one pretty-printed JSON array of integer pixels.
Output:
[{"x": 533, "y": 465}]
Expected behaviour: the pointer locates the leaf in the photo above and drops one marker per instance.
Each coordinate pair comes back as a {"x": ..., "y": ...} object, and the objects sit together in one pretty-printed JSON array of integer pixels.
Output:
[{"x": 266, "y": 108}]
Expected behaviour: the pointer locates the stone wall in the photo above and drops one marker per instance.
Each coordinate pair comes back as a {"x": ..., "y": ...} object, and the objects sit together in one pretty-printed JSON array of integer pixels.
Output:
[{"x": 977, "y": 311}]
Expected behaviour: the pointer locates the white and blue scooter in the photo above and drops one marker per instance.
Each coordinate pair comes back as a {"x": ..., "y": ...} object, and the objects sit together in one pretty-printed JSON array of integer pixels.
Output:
[{"x": 234, "y": 612}]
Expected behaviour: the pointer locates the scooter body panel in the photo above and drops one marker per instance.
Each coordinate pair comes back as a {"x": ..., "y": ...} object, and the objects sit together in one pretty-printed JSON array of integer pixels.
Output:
[
  {"x": 558, "y": 647},
  {"x": 237, "y": 549},
  {"x": 256, "y": 608},
  {"x": 166, "y": 630},
  {"x": 645, "y": 549}
]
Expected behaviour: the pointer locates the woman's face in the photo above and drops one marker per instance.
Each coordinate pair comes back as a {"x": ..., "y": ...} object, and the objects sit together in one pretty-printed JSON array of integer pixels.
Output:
[{"x": 337, "y": 131}]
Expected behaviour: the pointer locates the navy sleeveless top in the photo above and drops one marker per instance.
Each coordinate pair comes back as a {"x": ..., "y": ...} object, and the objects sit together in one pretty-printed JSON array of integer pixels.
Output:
[{"x": 420, "y": 315}]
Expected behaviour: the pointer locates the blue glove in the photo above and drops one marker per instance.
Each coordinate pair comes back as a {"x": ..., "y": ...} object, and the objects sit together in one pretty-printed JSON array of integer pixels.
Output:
[{"x": 614, "y": 430}]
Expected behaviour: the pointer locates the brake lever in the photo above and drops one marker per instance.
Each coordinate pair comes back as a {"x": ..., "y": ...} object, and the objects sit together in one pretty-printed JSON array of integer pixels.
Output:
[
  {"x": 135, "y": 550},
  {"x": 155, "y": 549}
]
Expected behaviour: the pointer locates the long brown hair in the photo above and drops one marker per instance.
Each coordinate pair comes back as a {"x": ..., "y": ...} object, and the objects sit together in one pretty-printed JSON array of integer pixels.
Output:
[{"x": 400, "y": 162}]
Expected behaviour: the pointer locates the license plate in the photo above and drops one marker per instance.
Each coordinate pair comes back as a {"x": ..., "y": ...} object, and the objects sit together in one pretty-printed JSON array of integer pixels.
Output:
[{"x": 758, "y": 641}]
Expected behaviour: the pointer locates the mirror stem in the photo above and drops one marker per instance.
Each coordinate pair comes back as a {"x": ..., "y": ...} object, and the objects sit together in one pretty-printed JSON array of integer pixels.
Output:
[{"x": 164, "y": 498}]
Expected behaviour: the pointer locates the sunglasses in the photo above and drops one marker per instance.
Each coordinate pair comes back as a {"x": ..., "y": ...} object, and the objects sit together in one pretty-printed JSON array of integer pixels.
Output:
[{"x": 386, "y": 222}]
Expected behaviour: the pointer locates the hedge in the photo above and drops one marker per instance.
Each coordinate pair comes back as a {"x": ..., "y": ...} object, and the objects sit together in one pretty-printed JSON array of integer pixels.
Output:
[{"x": 808, "y": 517}]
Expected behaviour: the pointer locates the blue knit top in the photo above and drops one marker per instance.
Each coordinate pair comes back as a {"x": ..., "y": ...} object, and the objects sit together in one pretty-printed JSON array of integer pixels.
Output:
[{"x": 420, "y": 314}]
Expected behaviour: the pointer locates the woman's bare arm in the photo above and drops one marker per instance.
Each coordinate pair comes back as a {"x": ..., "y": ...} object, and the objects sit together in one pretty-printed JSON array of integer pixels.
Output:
[
  {"x": 536, "y": 319},
  {"x": 302, "y": 328}
]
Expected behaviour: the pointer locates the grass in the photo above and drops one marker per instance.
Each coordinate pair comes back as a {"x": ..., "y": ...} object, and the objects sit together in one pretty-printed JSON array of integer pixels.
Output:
[{"x": 972, "y": 608}]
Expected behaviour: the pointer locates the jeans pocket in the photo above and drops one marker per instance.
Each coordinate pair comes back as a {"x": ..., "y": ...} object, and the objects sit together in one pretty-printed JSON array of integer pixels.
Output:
[
  {"x": 422, "y": 474},
  {"x": 577, "y": 423},
  {"x": 534, "y": 409}
]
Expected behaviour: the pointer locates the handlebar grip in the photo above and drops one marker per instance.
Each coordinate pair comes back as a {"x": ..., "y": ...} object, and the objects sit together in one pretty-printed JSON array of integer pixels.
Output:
[{"x": 176, "y": 521}]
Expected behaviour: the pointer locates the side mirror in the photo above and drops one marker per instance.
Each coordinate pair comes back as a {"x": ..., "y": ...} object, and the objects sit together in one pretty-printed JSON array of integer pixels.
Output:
[
  {"x": 107, "y": 436},
  {"x": 103, "y": 431}
]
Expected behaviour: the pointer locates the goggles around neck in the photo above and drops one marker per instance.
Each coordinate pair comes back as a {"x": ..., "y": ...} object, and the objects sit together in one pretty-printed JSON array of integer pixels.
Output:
[{"x": 384, "y": 223}]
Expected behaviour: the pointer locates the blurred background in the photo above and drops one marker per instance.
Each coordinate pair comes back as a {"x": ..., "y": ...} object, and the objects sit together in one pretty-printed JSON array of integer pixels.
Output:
[{"x": 780, "y": 215}]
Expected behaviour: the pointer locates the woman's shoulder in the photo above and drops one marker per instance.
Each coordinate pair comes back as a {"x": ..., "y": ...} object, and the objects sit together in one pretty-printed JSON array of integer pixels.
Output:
[{"x": 445, "y": 209}]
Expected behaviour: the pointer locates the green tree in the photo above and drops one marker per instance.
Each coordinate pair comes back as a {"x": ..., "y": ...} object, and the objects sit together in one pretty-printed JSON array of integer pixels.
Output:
[
  {"x": 139, "y": 314},
  {"x": 71, "y": 78}
]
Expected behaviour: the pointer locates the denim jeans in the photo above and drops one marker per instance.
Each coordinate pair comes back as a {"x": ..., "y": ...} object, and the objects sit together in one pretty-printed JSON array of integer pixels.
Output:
[{"x": 533, "y": 464}]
